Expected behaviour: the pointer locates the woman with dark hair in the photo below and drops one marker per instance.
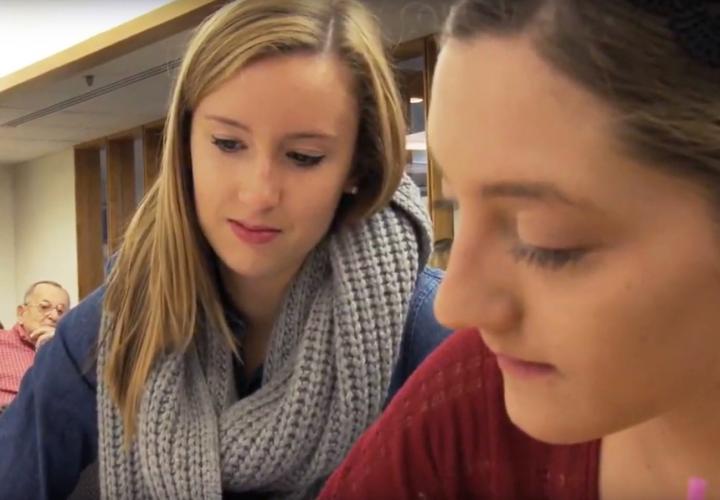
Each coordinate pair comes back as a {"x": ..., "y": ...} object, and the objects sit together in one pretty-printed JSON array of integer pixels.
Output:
[{"x": 582, "y": 142}]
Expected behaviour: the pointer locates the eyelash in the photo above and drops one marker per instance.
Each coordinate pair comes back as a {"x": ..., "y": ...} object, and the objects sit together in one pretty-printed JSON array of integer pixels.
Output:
[
  {"x": 541, "y": 257},
  {"x": 305, "y": 161},
  {"x": 228, "y": 145},
  {"x": 301, "y": 160},
  {"x": 545, "y": 257}
]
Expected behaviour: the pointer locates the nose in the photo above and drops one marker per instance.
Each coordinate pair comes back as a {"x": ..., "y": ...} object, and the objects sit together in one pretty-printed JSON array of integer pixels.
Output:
[
  {"x": 260, "y": 186},
  {"x": 54, "y": 315},
  {"x": 477, "y": 290}
]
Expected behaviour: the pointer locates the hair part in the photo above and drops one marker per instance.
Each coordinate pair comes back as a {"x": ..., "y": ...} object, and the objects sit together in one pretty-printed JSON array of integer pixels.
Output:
[{"x": 164, "y": 288}]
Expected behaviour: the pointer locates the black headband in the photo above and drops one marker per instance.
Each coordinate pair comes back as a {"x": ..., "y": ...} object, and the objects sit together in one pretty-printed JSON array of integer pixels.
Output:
[{"x": 695, "y": 23}]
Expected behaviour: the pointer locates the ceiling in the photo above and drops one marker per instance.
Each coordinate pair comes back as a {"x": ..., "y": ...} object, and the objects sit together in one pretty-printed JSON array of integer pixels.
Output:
[{"x": 133, "y": 89}]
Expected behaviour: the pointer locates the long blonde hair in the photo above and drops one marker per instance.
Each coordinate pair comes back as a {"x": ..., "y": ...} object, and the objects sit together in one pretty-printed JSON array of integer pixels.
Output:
[{"x": 163, "y": 285}]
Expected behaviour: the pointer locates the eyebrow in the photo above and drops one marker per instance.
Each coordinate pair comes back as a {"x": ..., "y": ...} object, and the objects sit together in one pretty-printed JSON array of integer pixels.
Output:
[
  {"x": 530, "y": 190},
  {"x": 533, "y": 191},
  {"x": 309, "y": 134}
]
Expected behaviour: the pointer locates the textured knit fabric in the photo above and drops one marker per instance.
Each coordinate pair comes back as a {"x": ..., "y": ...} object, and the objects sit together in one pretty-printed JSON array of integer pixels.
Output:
[
  {"x": 447, "y": 435},
  {"x": 324, "y": 380},
  {"x": 50, "y": 430},
  {"x": 16, "y": 356}
]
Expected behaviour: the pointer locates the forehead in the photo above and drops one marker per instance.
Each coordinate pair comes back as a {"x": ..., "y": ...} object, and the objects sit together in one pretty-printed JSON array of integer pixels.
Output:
[
  {"x": 497, "y": 103},
  {"x": 50, "y": 293},
  {"x": 290, "y": 88}
]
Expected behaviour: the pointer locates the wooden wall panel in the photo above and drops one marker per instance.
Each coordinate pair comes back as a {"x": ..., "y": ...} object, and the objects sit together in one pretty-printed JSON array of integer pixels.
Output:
[
  {"x": 152, "y": 142},
  {"x": 120, "y": 188},
  {"x": 88, "y": 208}
]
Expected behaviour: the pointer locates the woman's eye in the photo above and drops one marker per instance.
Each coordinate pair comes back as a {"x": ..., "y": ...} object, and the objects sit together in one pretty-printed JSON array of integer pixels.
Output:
[
  {"x": 546, "y": 257},
  {"x": 303, "y": 160},
  {"x": 227, "y": 145}
]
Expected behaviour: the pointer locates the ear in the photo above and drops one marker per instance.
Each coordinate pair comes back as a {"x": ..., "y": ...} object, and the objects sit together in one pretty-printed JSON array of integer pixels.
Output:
[
  {"x": 350, "y": 186},
  {"x": 20, "y": 312},
  {"x": 352, "y": 180}
]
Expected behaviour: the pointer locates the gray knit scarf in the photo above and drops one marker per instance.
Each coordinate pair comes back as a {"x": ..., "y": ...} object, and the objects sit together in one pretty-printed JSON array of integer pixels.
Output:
[{"x": 325, "y": 377}]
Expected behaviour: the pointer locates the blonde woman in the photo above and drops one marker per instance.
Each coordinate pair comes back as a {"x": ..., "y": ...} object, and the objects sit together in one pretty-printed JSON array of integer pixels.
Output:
[{"x": 269, "y": 290}]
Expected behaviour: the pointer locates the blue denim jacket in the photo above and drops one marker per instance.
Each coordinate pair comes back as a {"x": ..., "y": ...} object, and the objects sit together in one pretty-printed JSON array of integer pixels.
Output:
[{"x": 49, "y": 433}]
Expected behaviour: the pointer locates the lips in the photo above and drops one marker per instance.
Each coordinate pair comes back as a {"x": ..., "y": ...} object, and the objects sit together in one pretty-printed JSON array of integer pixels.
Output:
[
  {"x": 522, "y": 368},
  {"x": 252, "y": 233},
  {"x": 516, "y": 365}
]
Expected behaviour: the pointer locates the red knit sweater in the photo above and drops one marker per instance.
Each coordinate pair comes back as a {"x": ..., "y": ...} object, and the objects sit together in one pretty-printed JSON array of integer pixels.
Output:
[{"x": 446, "y": 435}]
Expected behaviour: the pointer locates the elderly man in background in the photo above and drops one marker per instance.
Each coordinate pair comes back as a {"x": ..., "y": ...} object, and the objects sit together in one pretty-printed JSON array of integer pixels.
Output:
[{"x": 44, "y": 304}]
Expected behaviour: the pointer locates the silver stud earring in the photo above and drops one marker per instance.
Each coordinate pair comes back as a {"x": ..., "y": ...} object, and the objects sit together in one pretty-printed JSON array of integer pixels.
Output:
[{"x": 353, "y": 190}]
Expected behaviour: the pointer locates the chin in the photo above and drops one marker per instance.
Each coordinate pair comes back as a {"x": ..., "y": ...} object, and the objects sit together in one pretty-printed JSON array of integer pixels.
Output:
[
  {"x": 551, "y": 424},
  {"x": 251, "y": 269}
]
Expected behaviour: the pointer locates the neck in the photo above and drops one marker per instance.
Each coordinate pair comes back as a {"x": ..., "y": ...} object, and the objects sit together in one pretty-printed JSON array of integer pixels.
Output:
[
  {"x": 258, "y": 299},
  {"x": 657, "y": 458}
]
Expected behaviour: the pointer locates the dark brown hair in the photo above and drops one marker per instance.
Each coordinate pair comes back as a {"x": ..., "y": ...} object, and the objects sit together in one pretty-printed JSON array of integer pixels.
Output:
[{"x": 666, "y": 100}]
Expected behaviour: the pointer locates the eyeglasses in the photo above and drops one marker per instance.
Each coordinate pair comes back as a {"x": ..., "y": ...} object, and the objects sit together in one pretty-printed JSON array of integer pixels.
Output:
[{"x": 46, "y": 308}]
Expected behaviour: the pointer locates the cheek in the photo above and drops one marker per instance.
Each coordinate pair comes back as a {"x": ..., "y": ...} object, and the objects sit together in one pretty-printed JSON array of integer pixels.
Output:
[
  {"x": 672, "y": 315},
  {"x": 633, "y": 341},
  {"x": 202, "y": 190},
  {"x": 314, "y": 199},
  {"x": 638, "y": 330},
  {"x": 31, "y": 319},
  {"x": 208, "y": 189}
]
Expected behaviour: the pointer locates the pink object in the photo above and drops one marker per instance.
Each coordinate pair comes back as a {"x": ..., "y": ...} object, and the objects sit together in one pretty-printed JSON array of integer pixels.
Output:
[{"x": 696, "y": 489}]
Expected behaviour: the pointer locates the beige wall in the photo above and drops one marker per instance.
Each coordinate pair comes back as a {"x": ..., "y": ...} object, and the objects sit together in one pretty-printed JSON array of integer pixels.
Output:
[
  {"x": 45, "y": 234},
  {"x": 7, "y": 247}
]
